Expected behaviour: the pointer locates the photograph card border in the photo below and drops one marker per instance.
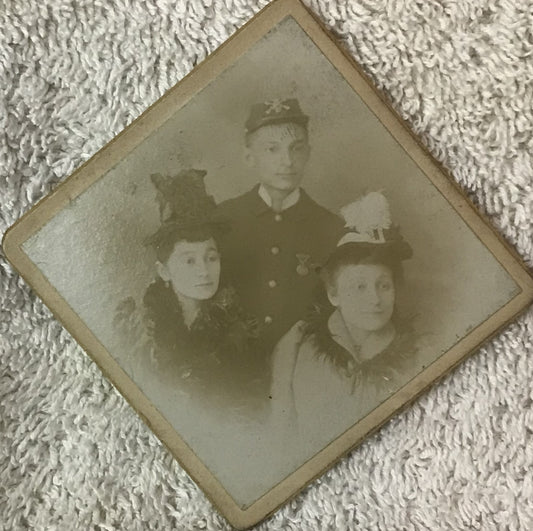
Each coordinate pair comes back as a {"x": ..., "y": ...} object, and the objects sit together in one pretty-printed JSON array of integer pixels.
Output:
[{"x": 153, "y": 118}]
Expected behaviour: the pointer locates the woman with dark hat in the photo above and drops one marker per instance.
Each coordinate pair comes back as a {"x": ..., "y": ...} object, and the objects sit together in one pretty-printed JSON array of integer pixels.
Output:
[
  {"x": 355, "y": 350},
  {"x": 190, "y": 331}
]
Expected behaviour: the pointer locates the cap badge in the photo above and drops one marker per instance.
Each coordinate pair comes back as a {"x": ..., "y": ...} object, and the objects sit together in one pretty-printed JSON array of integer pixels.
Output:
[{"x": 276, "y": 106}]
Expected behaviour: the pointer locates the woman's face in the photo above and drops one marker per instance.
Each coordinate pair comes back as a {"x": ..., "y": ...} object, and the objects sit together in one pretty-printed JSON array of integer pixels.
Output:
[
  {"x": 364, "y": 294},
  {"x": 193, "y": 269}
]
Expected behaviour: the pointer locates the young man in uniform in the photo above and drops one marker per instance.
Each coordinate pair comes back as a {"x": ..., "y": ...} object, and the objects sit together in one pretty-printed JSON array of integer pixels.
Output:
[{"x": 278, "y": 233}]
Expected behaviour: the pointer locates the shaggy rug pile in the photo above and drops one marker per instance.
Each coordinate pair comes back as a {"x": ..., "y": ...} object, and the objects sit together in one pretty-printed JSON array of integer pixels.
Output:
[{"x": 73, "y": 454}]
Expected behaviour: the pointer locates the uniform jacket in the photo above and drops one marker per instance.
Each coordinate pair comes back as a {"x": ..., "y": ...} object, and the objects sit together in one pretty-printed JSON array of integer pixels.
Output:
[{"x": 271, "y": 258}]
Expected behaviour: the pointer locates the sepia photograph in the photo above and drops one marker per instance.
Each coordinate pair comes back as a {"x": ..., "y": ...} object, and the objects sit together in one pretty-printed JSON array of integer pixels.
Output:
[{"x": 270, "y": 266}]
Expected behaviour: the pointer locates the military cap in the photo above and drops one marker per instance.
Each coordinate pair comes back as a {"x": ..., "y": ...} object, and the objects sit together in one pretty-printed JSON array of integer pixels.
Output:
[{"x": 275, "y": 112}]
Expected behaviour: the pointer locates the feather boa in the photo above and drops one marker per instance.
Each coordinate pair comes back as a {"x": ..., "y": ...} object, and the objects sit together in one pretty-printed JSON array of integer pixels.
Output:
[{"x": 397, "y": 357}]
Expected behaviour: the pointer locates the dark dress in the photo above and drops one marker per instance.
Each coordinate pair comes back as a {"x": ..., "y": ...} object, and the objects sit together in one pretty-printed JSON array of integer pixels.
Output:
[
  {"x": 271, "y": 258},
  {"x": 215, "y": 362}
]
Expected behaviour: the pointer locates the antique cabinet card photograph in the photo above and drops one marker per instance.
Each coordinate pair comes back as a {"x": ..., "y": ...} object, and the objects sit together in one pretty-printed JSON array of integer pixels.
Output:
[{"x": 267, "y": 264}]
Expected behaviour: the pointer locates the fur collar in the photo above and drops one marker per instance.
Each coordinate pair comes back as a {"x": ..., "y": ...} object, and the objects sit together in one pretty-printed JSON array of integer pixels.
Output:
[
  {"x": 345, "y": 358},
  {"x": 220, "y": 325}
]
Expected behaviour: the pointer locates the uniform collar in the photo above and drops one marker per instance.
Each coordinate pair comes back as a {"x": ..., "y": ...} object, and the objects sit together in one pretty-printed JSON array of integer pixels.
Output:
[{"x": 288, "y": 202}]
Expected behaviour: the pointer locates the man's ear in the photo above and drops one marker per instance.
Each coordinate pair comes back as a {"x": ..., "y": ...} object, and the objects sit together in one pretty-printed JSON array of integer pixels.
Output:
[
  {"x": 249, "y": 158},
  {"x": 332, "y": 295},
  {"x": 307, "y": 151},
  {"x": 162, "y": 271}
]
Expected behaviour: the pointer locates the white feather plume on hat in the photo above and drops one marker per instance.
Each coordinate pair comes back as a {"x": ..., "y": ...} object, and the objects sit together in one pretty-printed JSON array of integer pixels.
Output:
[{"x": 366, "y": 218}]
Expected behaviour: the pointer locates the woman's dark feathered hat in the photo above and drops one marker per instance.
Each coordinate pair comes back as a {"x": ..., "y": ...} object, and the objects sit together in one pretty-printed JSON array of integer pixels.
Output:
[
  {"x": 184, "y": 205},
  {"x": 183, "y": 198}
]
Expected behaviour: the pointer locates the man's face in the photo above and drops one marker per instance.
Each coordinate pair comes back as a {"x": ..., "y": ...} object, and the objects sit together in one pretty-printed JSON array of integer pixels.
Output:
[{"x": 278, "y": 154}]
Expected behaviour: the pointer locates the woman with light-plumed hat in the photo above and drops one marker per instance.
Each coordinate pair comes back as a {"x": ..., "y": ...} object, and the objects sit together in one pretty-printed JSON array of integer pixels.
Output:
[
  {"x": 354, "y": 350},
  {"x": 190, "y": 331}
]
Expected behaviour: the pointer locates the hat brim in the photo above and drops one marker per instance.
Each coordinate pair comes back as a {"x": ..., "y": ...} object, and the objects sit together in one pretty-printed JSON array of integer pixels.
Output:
[
  {"x": 277, "y": 120},
  {"x": 170, "y": 228},
  {"x": 358, "y": 252}
]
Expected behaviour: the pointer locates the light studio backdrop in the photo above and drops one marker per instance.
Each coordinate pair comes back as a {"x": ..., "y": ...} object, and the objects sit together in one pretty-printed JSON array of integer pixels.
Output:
[{"x": 106, "y": 468}]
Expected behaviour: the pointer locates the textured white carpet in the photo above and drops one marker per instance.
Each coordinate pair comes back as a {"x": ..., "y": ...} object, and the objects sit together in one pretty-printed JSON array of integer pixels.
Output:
[{"x": 73, "y": 455}]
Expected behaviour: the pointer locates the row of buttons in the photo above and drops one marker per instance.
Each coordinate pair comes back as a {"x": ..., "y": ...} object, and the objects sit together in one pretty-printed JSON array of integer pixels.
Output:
[
  {"x": 272, "y": 283},
  {"x": 274, "y": 250}
]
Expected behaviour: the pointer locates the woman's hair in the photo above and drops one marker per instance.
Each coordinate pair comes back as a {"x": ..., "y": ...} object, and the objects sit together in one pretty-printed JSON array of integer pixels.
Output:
[
  {"x": 170, "y": 233},
  {"x": 360, "y": 253}
]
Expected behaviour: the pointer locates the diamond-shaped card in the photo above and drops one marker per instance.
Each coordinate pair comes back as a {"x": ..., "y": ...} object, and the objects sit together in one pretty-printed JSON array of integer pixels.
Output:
[{"x": 267, "y": 264}]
